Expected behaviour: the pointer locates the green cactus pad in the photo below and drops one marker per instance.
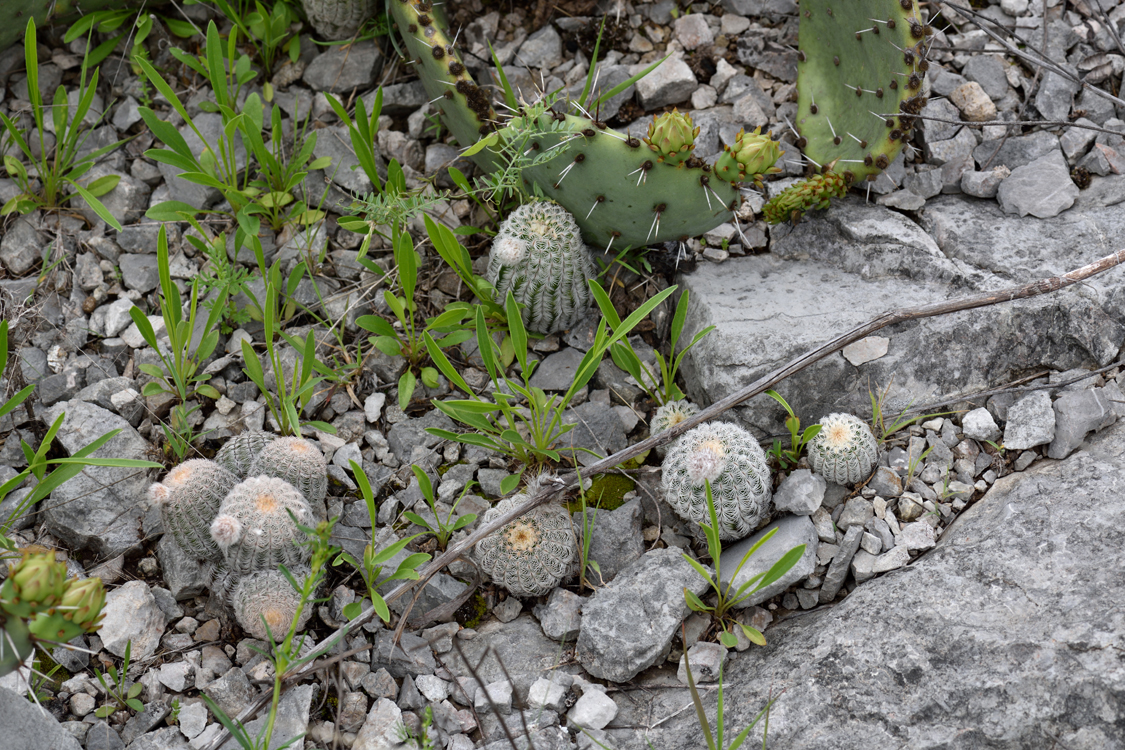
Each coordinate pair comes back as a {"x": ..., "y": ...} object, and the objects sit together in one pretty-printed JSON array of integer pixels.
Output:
[
  {"x": 619, "y": 193},
  {"x": 856, "y": 59}
]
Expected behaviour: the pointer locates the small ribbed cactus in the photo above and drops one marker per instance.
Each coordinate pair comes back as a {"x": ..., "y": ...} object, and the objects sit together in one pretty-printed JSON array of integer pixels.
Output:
[
  {"x": 267, "y": 595},
  {"x": 338, "y": 19},
  {"x": 539, "y": 256},
  {"x": 672, "y": 136},
  {"x": 671, "y": 414},
  {"x": 533, "y": 553},
  {"x": 189, "y": 499},
  {"x": 253, "y": 528},
  {"x": 844, "y": 450},
  {"x": 298, "y": 462},
  {"x": 241, "y": 450},
  {"x": 732, "y": 461},
  {"x": 752, "y": 156}
]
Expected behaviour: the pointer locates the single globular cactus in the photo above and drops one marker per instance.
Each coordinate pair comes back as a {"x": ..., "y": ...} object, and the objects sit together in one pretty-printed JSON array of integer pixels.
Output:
[
  {"x": 266, "y": 599},
  {"x": 254, "y": 529},
  {"x": 189, "y": 499},
  {"x": 239, "y": 452},
  {"x": 670, "y": 415},
  {"x": 338, "y": 19},
  {"x": 816, "y": 192},
  {"x": 844, "y": 451},
  {"x": 672, "y": 137},
  {"x": 752, "y": 156},
  {"x": 533, "y": 553},
  {"x": 539, "y": 257},
  {"x": 730, "y": 459},
  {"x": 299, "y": 463}
]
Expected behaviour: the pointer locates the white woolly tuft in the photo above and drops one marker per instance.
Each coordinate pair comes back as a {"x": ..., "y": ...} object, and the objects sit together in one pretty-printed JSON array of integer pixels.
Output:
[
  {"x": 706, "y": 463},
  {"x": 226, "y": 530},
  {"x": 508, "y": 250},
  {"x": 158, "y": 494}
]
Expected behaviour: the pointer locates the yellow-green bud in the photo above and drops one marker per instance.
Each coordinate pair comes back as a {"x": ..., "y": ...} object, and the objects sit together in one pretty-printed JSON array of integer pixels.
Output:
[
  {"x": 38, "y": 579},
  {"x": 82, "y": 603},
  {"x": 752, "y": 156},
  {"x": 672, "y": 137}
]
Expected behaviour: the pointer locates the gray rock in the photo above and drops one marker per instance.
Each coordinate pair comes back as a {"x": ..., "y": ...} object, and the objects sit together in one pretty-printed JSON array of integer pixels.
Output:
[
  {"x": 139, "y": 272},
  {"x": 495, "y": 697},
  {"x": 26, "y": 725},
  {"x": 885, "y": 482},
  {"x": 957, "y": 147},
  {"x": 918, "y": 535},
  {"x": 98, "y": 509},
  {"x": 182, "y": 573},
  {"x": 1056, "y": 94},
  {"x": 131, "y": 616},
  {"x": 594, "y": 710},
  {"x": 411, "y": 655},
  {"x": 292, "y": 718},
  {"x": 792, "y": 531},
  {"x": 904, "y": 200},
  {"x": 800, "y": 493},
  {"x": 193, "y": 719},
  {"x": 838, "y": 570},
  {"x": 858, "y": 511},
  {"x": 628, "y": 625},
  {"x": 1075, "y": 141},
  {"x": 344, "y": 68},
  {"x": 989, "y": 72},
  {"x": 335, "y": 143},
  {"x": 1042, "y": 188},
  {"x": 561, "y": 616},
  {"x": 693, "y": 31},
  {"x": 1031, "y": 422},
  {"x": 232, "y": 692},
  {"x": 984, "y": 184},
  {"x": 404, "y": 436},
  {"x": 978, "y": 424},
  {"x": 598, "y": 429},
  {"x": 617, "y": 537},
  {"x": 556, "y": 372},
  {"x": 707, "y": 659},
  {"x": 942, "y": 109},
  {"x": 1076, "y": 414},
  {"x": 1016, "y": 151},
  {"x": 127, "y": 202},
  {"x": 543, "y": 49},
  {"x": 20, "y": 247},
  {"x": 927, "y": 184},
  {"x": 672, "y": 82}
]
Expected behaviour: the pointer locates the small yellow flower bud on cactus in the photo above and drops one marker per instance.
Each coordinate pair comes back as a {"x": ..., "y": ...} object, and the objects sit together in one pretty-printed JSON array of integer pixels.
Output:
[
  {"x": 672, "y": 137},
  {"x": 82, "y": 603},
  {"x": 39, "y": 580},
  {"x": 752, "y": 156}
]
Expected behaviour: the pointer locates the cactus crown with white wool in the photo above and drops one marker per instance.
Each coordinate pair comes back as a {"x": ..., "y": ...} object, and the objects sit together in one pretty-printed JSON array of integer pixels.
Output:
[
  {"x": 844, "y": 451},
  {"x": 730, "y": 459},
  {"x": 533, "y": 553},
  {"x": 254, "y": 528},
  {"x": 539, "y": 256},
  {"x": 189, "y": 499}
]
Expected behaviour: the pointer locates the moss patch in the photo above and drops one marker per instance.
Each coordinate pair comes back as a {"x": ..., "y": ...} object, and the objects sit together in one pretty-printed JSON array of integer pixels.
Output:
[
  {"x": 472, "y": 612},
  {"x": 606, "y": 493}
]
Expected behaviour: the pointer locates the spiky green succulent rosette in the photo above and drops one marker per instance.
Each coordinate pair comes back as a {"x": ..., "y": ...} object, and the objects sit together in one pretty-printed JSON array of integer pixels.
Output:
[{"x": 672, "y": 136}]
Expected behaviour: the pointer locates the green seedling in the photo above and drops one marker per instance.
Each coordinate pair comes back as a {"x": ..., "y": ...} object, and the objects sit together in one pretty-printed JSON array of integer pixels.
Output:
[
  {"x": 113, "y": 682},
  {"x": 788, "y": 457},
  {"x": 441, "y": 528}
]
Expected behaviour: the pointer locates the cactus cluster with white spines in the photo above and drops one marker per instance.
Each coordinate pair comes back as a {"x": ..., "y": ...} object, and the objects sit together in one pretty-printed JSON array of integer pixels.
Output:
[
  {"x": 299, "y": 463},
  {"x": 539, "y": 256},
  {"x": 845, "y": 449},
  {"x": 264, "y": 599},
  {"x": 533, "y": 553},
  {"x": 256, "y": 527},
  {"x": 188, "y": 498},
  {"x": 730, "y": 459}
]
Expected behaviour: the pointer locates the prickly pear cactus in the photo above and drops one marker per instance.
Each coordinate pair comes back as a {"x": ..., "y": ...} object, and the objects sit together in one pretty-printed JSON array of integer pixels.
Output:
[
  {"x": 268, "y": 596},
  {"x": 816, "y": 192},
  {"x": 539, "y": 256},
  {"x": 239, "y": 452},
  {"x": 189, "y": 499},
  {"x": 844, "y": 450},
  {"x": 533, "y": 553},
  {"x": 730, "y": 459},
  {"x": 859, "y": 81},
  {"x": 752, "y": 156},
  {"x": 338, "y": 19},
  {"x": 254, "y": 530},
  {"x": 299, "y": 463},
  {"x": 671, "y": 137}
]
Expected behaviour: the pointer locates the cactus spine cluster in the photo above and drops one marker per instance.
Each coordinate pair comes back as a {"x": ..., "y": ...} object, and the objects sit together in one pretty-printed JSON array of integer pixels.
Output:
[
  {"x": 267, "y": 599},
  {"x": 730, "y": 459},
  {"x": 539, "y": 257},
  {"x": 844, "y": 450},
  {"x": 239, "y": 452},
  {"x": 533, "y": 553},
  {"x": 254, "y": 529},
  {"x": 299, "y": 463},
  {"x": 38, "y": 603},
  {"x": 189, "y": 498}
]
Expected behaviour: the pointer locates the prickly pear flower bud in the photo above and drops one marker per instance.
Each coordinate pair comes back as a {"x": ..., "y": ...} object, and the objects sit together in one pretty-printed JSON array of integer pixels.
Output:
[
  {"x": 757, "y": 153},
  {"x": 38, "y": 579},
  {"x": 672, "y": 137},
  {"x": 83, "y": 600},
  {"x": 706, "y": 462}
]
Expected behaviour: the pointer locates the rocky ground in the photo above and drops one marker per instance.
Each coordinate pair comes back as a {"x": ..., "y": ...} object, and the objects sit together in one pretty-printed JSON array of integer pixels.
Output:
[{"x": 962, "y": 597}]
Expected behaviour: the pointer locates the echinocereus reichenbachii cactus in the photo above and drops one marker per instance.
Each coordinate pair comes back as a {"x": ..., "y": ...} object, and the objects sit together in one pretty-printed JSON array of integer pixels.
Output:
[
  {"x": 730, "y": 459},
  {"x": 672, "y": 137},
  {"x": 533, "y": 553},
  {"x": 844, "y": 450},
  {"x": 254, "y": 529},
  {"x": 239, "y": 452},
  {"x": 189, "y": 499},
  {"x": 670, "y": 415},
  {"x": 539, "y": 256},
  {"x": 266, "y": 598},
  {"x": 299, "y": 463},
  {"x": 338, "y": 19}
]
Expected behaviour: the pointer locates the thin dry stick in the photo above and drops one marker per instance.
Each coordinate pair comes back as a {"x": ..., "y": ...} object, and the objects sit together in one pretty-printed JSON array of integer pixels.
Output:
[{"x": 1034, "y": 289}]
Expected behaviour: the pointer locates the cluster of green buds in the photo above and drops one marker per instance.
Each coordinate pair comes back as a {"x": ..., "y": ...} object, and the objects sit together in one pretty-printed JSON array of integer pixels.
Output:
[
  {"x": 38, "y": 602},
  {"x": 814, "y": 192},
  {"x": 752, "y": 156},
  {"x": 672, "y": 137}
]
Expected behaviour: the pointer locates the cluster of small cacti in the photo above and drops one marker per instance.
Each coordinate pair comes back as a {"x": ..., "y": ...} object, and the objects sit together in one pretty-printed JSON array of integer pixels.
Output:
[
  {"x": 240, "y": 514},
  {"x": 539, "y": 256},
  {"x": 844, "y": 451},
  {"x": 533, "y": 553},
  {"x": 730, "y": 459},
  {"x": 39, "y": 603}
]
